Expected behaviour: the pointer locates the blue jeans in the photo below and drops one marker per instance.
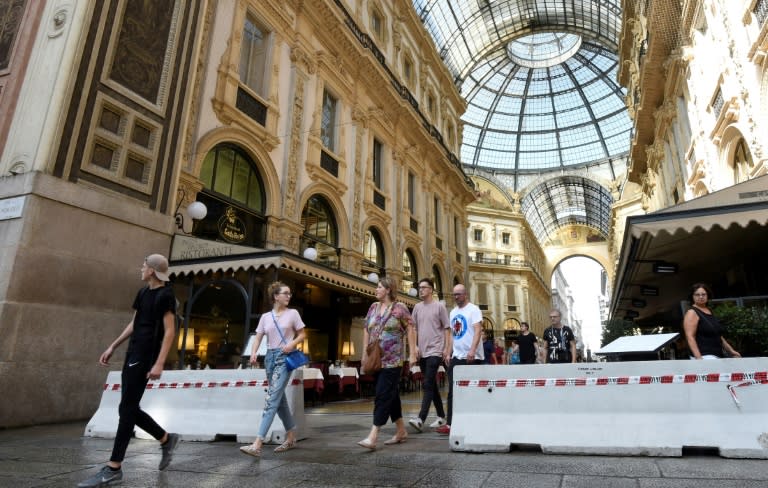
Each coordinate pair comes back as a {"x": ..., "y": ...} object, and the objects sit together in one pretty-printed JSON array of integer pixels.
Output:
[
  {"x": 278, "y": 377},
  {"x": 429, "y": 367}
]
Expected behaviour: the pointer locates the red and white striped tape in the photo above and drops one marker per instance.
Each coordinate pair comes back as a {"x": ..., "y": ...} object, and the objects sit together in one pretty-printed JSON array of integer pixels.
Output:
[
  {"x": 757, "y": 377},
  {"x": 200, "y": 384}
]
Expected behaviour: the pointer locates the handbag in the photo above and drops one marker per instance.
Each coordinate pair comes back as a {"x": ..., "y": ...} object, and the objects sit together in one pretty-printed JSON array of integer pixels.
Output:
[
  {"x": 372, "y": 361},
  {"x": 294, "y": 359}
]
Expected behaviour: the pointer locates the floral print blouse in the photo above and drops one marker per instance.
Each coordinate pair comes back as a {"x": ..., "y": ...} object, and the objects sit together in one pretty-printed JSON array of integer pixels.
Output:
[{"x": 395, "y": 319}]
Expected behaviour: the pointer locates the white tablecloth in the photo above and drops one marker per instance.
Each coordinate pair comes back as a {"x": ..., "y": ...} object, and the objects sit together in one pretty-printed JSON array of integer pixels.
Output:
[
  {"x": 342, "y": 372},
  {"x": 312, "y": 374},
  {"x": 416, "y": 369}
]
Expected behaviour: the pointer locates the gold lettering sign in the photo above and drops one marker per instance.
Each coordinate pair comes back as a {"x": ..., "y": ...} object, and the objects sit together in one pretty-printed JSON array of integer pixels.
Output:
[{"x": 232, "y": 227}]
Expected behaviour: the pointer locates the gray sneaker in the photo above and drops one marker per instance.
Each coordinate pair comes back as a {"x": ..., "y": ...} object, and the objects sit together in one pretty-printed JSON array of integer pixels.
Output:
[
  {"x": 167, "y": 450},
  {"x": 102, "y": 478}
]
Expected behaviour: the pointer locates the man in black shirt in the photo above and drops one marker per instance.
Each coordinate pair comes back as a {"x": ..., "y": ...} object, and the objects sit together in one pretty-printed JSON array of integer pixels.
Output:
[
  {"x": 529, "y": 348},
  {"x": 151, "y": 333},
  {"x": 561, "y": 342}
]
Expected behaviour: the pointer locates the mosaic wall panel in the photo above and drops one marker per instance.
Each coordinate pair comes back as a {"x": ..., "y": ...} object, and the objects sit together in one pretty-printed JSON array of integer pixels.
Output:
[
  {"x": 11, "y": 12},
  {"x": 141, "y": 47}
]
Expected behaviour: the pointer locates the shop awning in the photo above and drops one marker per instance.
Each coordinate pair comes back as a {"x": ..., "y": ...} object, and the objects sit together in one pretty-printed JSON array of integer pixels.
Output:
[
  {"x": 740, "y": 204},
  {"x": 284, "y": 262},
  {"x": 711, "y": 239},
  {"x": 225, "y": 266}
]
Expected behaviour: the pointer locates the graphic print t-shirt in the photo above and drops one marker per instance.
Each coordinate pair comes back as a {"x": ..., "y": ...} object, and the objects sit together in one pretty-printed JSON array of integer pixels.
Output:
[{"x": 462, "y": 320}]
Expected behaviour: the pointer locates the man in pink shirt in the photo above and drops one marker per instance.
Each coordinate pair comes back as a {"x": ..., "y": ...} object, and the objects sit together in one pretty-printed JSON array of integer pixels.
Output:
[{"x": 433, "y": 347}]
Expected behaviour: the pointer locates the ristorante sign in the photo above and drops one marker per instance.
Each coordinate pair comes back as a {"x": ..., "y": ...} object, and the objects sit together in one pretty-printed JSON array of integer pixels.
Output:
[{"x": 186, "y": 247}]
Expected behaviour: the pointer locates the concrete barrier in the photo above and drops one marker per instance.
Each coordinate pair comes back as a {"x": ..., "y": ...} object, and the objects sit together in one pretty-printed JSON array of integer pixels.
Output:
[
  {"x": 650, "y": 408},
  {"x": 203, "y": 404}
]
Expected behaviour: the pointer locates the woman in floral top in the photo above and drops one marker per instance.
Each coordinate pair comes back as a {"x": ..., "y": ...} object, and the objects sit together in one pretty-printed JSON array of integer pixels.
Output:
[{"x": 393, "y": 320}]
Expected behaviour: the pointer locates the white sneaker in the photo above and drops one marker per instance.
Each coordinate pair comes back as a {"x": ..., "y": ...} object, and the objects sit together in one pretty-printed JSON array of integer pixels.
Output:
[
  {"x": 437, "y": 423},
  {"x": 416, "y": 423}
]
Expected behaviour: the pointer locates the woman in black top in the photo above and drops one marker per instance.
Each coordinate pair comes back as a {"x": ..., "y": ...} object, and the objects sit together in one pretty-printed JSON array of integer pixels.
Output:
[{"x": 703, "y": 331}]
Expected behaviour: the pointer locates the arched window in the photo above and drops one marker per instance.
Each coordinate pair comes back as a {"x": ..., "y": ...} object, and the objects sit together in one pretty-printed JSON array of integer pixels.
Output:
[
  {"x": 320, "y": 231},
  {"x": 373, "y": 253},
  {"x": 742, "y": 162},
  {"x": 488, "y": 327},
  {"x": 410, "y": 272},
  {"x": 235, "y": 198},
  {"x": 438, "y": 282}
]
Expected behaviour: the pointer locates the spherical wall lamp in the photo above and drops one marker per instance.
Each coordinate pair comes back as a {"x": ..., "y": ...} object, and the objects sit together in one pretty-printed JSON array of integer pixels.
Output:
[
  {"x": 197, "y": 210},
  {"x": 412, "y": 292},
  {"x": 373, "y": 277},
  {"x": 310, "y": 253}
]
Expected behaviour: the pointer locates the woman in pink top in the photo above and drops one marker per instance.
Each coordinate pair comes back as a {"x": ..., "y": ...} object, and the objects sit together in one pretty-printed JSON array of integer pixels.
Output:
[{"x": 292, "y": 329}]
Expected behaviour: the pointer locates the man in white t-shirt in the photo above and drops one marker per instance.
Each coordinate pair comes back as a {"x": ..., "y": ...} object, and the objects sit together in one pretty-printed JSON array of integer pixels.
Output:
[
  {"x": 433, "y": 332},
  {"x": 466, "y": 326}
]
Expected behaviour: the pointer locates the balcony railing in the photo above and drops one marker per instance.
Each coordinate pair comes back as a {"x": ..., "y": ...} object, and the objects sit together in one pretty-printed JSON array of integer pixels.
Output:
[
  {"x": 379, "y": 200},
  {"x": 329, "y": 163},
  {"x": 718, "y": 103},
  {"x": 761, "y": 11},
  {"x": 250, "y": 106}
]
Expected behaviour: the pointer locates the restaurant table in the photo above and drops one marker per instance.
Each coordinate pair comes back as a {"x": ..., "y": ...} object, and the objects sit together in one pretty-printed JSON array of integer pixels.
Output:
[
  {"x": 418, "y": 377},
  {"x": 347, "y": 376},
  {"x": 313, "y": 381}
]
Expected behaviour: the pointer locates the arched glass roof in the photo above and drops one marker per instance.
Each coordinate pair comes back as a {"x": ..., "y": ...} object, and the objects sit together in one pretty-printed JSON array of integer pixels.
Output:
[
  {"x": 567, "y": 200},
  {"x": 521, "y": 118},
  {"x": 539, "y": 78}
]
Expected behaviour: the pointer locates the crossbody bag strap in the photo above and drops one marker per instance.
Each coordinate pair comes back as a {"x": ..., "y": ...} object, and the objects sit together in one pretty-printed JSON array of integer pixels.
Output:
[
  {"x": 380, "y": 325},
  {"x": 274, "y": 319}
]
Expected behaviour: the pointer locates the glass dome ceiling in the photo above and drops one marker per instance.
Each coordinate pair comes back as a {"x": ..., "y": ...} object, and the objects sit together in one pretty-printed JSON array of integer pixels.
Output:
[{"x": 539, "y": 78}]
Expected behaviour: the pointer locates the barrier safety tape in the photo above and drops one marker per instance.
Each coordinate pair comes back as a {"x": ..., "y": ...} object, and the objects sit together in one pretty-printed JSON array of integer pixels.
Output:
[
  {"x": 200, "y": 384},
  {"x": 732, "y": 388},
  {"x": 757, "y": 377}
]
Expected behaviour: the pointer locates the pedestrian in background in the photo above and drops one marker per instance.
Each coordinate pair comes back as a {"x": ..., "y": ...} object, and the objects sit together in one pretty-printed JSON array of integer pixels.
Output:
[
  {"x": 703, "y": 330},
  {"x": 560, "y": 340},
  {"x": 528, "y": 344},
  {"x": 488, "y": 348},
  {"x": 499, "y": 351},
  {"x": 513, "y": 353}
]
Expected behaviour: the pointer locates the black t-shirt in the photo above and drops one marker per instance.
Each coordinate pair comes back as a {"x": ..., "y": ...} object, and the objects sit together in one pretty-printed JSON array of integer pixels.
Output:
[
  {"x": 559, "y": 344},
  {"x": 148, "y": 329},
  {"x": 527, "y": 348}
]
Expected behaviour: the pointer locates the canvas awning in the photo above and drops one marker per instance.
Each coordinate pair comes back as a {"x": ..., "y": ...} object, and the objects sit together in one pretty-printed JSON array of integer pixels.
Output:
[
  {"x": 712, "y": 239},
  {"x": 226, "y": 266},
  {"x": 284, "y": 262}
]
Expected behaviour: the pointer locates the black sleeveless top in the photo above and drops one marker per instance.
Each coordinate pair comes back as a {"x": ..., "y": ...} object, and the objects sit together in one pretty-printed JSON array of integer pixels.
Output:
[{"x": 709, "y": 334}]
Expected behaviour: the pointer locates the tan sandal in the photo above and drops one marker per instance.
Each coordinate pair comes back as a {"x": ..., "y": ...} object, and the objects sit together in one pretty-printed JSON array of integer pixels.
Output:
[
  {"x": 396, "y": 440},
  {"x": 367, "y": 444},
  {"x": 251, "y": 451},
  {"x": 286, "y": 446}
]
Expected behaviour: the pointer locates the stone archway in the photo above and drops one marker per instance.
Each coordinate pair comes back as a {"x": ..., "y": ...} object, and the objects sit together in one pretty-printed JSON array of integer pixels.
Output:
[{"x": 595, "y": 251}]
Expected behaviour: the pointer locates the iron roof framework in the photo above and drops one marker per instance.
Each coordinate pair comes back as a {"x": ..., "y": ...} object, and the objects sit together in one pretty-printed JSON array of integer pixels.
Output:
[
  {"x": 567, "y": 200},
  {"x": 539, "y": 78}
]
